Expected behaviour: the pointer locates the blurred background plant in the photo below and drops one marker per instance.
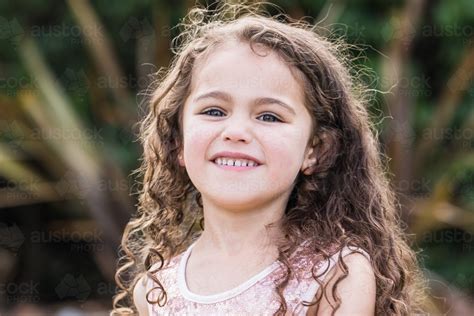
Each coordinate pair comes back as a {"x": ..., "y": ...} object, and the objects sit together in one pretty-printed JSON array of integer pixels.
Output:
[{"x": 74, "y": 77}]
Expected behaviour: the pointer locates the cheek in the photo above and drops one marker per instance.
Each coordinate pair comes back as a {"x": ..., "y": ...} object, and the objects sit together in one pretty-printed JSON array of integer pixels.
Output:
[
  {"x": 284, "y": 152},
  {"x": 282, "y": 165},
  {"x": 196, "y": 139}
]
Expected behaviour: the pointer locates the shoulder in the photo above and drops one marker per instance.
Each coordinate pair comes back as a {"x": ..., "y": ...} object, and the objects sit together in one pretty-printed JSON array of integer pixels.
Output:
[
  {"x": 139, "y": 296},
  {"x": 140, "y": 290},
  {"x": 357, "y": 291}
]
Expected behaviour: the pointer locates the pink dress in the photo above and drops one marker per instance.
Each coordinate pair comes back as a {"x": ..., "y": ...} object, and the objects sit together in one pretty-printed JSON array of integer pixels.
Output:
[{"x": 256, "y": 296}]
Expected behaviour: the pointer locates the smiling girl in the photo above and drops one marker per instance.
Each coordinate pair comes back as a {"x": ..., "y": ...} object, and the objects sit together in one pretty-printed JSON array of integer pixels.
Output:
[{"x": 263, "y": 189}]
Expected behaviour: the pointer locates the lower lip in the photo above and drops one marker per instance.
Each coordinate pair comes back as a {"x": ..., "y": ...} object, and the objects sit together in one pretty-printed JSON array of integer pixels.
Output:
[{"x": 235, "y": 168}]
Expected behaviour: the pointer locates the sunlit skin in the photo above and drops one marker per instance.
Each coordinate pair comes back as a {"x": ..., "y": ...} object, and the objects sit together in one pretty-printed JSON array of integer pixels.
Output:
[
  {"x": 234, "y": 245},
  {"x": 238, "y": 204}
]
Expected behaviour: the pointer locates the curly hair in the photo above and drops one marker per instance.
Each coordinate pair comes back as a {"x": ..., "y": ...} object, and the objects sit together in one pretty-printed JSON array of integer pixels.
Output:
[{"x": 347, "y": 200}]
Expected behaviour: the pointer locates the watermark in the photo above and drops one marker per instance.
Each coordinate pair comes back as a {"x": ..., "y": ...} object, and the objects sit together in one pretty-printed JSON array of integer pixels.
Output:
[
  {"x": 352, "y": 30},
  {"x": 135, "y": 28},
  {"x": 15, "y": 82},
  {"x": 21, "y": 292},
  {"x": 11, "y": 237},
  {"x": 123, "y": 82},
  {"x": 79, "y": 241},
  {"x": 75, "y": 82},
  {"x": 401, "y": 132},
  {"x": 106, "y": 289},
  {"x": 9, "y": 129},
  {"x": 16, "y": 192},
  {"x": 68, "y": 185},
  {"x": 15, "y": 134},
  {"x": 417, "y": 187},
  {"x": 64, "y": 235},
  {"x": 465, "y": 281},
  {"x": 11, "y": 85},
  {"x": 126, "y": 137},
  {"x": 92, "y": 135},
  {"x": 11, "y": 31},
  {"x": 465, "y": 184},
  {"x": 448, "y": 30},
  {"x": 76, "y": 34},
  {"x": 71, "y": 185},
  {"x": 454, "y": 83},
  {"x": 77, "y": 287},
  {"x": 73, "y": 287},
  {"x": 21, "y": 189},
  {"x": 414, "y": 86},
  {"x": 468, "y": 248},
  {"x": 397, "y": 29},
  {"x": 464, "y": 136},
  {"x": 201, "y": 131},
  {"x": 142, "y": 31},
  {"x": 110, "y": 185},
  {"x": 224, "y": 184},
  {"x": 448, "y": 236}
]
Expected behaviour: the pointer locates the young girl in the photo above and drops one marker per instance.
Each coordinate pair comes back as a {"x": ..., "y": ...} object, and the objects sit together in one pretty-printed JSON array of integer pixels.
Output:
[{"x": 263, "y": 191}]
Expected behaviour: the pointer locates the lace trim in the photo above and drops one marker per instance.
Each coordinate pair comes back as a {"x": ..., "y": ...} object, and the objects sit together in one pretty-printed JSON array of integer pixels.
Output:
[{"x": 214, "y": 298}]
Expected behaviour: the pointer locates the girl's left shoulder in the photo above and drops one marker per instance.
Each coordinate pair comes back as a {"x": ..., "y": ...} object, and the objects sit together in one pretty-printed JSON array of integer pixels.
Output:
[
  {"x": 357, "y": 290},
  {"x": 139, "y": 296}
]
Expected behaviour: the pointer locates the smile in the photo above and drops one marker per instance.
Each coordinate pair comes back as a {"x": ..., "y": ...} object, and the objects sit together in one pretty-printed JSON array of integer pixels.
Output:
[{"x": 235, "y": 166}]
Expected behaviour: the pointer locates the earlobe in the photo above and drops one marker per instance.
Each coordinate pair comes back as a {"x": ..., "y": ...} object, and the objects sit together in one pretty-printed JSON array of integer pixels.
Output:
[
  {"x": 310, "y": 161},
  {"x": 309, "y": 168},
  {"x": 181, "y": 160},
  {"x": 311, "y": 157}
]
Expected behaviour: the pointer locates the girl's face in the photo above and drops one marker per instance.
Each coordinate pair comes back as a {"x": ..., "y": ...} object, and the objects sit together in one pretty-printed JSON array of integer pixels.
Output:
[{"x": 241, "y": 102}]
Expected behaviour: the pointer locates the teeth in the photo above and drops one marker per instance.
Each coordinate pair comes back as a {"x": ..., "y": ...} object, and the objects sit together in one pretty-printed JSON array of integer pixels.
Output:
[{"x": 235, "y": 162}]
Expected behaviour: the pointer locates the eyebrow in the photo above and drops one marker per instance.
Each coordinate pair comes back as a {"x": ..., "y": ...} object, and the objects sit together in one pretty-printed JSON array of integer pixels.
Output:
[{"x": 259, "y": 101}]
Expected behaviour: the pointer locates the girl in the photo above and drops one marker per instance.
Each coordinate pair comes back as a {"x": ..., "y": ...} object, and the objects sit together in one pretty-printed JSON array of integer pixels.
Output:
[{"x": 259, "y": 134}]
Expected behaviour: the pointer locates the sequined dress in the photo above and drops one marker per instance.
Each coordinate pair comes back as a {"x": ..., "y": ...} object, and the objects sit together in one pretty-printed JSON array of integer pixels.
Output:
[{"x": 256, "y": 296}]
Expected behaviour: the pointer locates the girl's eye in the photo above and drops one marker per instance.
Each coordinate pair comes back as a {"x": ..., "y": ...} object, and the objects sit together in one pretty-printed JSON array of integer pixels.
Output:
[
  {"x": 211, "y": 111},
  {"x": 274, "y": 118}
]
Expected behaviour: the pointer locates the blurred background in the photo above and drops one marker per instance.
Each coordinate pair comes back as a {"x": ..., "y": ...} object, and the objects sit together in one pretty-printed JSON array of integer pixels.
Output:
[{"x": 73, "y": 82}]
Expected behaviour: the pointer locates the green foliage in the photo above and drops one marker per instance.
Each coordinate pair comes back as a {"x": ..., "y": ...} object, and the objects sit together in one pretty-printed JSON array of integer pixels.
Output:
[{"x": 438, "y": 44}]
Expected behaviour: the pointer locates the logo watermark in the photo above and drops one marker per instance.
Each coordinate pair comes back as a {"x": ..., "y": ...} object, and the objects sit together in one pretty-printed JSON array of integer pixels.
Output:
[
  {"x": 21, "y": 292},
  {"x": 11, "y": 237},
  {"x": 73, "y": 287}
]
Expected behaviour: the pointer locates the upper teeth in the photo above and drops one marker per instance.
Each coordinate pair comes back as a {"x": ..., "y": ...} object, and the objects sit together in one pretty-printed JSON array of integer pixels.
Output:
[{"x": 235, "y": 162}]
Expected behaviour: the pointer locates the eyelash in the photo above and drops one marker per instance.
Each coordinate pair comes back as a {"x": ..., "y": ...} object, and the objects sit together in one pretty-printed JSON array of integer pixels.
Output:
[{"x": 277, "y": 119}]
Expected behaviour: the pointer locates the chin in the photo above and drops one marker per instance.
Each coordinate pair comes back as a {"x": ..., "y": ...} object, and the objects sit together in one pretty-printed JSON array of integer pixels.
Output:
[{"x": 240, "y": 200}]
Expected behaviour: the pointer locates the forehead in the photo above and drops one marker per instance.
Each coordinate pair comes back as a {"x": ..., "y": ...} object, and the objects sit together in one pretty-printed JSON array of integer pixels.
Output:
[{"x": 235, "y": 68}]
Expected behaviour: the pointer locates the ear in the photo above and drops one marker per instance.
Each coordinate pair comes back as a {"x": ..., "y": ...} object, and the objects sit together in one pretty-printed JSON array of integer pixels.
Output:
[
  {"x": 318, "y": 156},
  {"x": 310, "y": 159},
  {"x": 181, "y": 159}
]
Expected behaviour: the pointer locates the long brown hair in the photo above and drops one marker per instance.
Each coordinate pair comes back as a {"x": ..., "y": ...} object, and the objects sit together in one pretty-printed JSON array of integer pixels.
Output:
[{"x": 346, "y": 201}]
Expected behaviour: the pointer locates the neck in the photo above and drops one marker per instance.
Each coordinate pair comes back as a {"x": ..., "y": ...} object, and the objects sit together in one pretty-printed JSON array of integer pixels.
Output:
[{"x": 229, "y": 234}]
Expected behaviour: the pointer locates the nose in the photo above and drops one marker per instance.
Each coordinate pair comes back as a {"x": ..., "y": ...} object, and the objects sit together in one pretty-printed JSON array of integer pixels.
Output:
[{"x": 237, "y": 129}]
